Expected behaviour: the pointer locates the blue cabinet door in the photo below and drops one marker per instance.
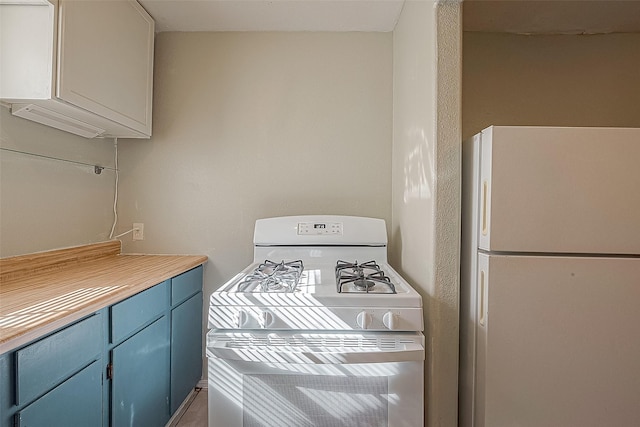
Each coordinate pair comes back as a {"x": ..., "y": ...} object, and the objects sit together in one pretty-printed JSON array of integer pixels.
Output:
[
  {"x": 140, "y": 378},
  {"x": 75, "y": 402},
  {"x": 186, "y": 349},
  {"x": 7, "y": 385}
]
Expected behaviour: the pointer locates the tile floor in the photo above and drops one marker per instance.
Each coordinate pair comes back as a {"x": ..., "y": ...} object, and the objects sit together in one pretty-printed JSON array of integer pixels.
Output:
[{"x": 196, "y": 413}]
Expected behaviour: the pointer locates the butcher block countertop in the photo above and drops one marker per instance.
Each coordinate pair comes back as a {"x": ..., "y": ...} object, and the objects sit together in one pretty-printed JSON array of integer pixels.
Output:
[{"x": 42, "y": 292}]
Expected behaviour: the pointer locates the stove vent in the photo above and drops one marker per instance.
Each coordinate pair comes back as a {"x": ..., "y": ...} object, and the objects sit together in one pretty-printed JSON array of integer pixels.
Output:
[{"x": 317, "y": 343}]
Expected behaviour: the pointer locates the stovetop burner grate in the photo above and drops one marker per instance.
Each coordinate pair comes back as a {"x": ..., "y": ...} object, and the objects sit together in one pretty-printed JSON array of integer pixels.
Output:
[
  {"x": 273, "y": 277},
  {"x": 367, "y": 277}
]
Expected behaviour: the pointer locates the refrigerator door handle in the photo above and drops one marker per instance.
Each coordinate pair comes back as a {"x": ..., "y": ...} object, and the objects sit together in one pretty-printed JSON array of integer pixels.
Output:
[
  {"x": 484, "y": 222},
  {"x": 482, "y": 299}
]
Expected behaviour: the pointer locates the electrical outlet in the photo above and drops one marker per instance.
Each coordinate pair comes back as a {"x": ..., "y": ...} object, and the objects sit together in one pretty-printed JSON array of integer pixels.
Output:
[{"x": 138, "y": 231}]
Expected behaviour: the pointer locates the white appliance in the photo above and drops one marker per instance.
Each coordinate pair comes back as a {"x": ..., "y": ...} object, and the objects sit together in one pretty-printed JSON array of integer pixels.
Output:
[
  {"x": 550, "y": 278},
  {"x": 318, "y": 331}
]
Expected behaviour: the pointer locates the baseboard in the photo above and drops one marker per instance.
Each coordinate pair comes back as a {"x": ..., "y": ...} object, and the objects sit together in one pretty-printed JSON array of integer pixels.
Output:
[
  {"x": 173, "y": 421},
  {"x": 203, "y": 384}
]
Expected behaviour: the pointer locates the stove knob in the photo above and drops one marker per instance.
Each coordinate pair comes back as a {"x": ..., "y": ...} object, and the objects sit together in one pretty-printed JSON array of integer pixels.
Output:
[
  {"x": 241, "y": 318},
  {"x": 363, "y": 320},
  {"x": 390, "y": 320},
  {"x": 265, "y": 319}
]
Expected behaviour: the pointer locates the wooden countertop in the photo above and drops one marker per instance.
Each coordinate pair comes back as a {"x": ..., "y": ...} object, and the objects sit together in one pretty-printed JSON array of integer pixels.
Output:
[{"x": 42, "y": 292}]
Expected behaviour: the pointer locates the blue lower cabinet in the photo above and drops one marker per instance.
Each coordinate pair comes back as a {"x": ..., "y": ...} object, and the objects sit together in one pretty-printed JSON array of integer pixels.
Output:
[
  {"x": 7, "y": 379},
  {"x": 186, "y": 349},
  {"x": 130, "y": 364},
  {"x": 55, "y": 380},
  {"x": 75, "y": 402},
  {"x": 140, "y": 378}
]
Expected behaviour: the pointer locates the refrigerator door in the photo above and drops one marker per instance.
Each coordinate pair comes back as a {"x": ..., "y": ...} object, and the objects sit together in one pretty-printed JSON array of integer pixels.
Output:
[
  {"x": 566, "y": 190},
  {"x": 557, "y": 342}
]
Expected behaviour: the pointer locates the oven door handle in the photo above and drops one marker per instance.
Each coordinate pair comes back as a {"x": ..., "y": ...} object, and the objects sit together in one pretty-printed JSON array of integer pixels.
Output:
[{"x": 274, "y": 354}]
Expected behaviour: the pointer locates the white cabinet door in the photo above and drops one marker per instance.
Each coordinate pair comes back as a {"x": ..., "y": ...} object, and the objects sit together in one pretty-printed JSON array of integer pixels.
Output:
[
  {"x": 27, "y": 35},
  {"x": 569, "y": 190},
  {"x": 105, "y": 60}
]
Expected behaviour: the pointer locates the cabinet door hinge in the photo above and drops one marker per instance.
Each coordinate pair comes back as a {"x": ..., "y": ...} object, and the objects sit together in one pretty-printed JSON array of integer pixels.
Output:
[{"x": 110, "y": 371}]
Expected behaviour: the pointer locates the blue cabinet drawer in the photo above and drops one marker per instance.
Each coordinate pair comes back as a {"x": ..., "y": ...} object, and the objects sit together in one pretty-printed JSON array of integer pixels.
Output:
[
  {"x": 134, "y": 312},
  {"x": 185, "y": 285},
  {"x": 44, "y": 364}
]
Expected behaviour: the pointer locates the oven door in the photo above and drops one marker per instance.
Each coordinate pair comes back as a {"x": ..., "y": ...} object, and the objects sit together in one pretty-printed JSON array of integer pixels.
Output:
[{"x": 315, "y": 379}]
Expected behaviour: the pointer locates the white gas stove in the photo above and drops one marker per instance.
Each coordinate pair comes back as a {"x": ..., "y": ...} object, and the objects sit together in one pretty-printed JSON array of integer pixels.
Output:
[{"x": 320, "y": 301}]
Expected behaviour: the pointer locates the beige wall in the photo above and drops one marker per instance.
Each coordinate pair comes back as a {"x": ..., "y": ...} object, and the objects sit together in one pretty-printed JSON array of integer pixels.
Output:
[
  {"x": 552, "y": 80},
  {"x": 253, "y": 125},
  {"x": 425, "y": 180},
  {"x": 247, "y": 125},
  {"x": 47, "y": 204}
]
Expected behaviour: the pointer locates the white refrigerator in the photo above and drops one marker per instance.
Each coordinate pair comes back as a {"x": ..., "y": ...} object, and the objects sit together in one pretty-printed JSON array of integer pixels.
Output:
[{"x": 550, "y": 278}]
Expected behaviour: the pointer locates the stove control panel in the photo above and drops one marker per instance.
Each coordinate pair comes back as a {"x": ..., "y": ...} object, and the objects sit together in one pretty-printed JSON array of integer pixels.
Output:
[
  {"x": 319, "y": 228},
  {"x": 316, "y": 318},
  {"x": 377, "y": 320}
]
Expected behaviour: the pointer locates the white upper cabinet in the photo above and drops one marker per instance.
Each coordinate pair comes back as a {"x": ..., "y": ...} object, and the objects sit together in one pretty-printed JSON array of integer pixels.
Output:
[
  {"x": 106, "y": 60},
  {"x": 83, "y": 66}
]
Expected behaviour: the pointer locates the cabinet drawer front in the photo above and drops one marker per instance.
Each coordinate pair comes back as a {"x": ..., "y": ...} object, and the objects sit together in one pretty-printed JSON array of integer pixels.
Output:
[
  {"x": 138, "y": 310},
  {"x": 47, "y": 362},
  {"x": 75, "y": 402},
  {"x": 185, "y": 285}
]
